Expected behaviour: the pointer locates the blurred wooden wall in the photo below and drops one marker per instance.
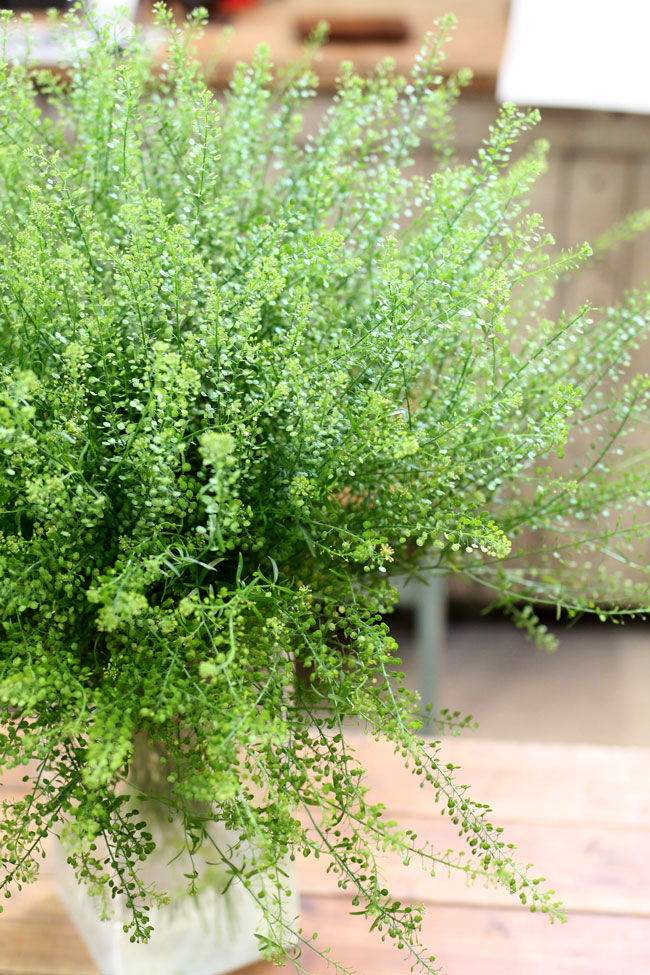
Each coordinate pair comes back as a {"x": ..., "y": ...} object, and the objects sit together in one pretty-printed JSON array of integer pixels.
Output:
[{"x": 599, "y": 171}]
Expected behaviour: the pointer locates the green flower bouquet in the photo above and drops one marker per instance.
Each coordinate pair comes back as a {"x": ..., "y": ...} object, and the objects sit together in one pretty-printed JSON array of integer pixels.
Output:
[{"x": 249, "y": 377}]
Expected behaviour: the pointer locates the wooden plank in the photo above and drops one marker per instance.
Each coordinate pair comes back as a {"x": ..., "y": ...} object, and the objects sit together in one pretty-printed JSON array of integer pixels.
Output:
[
  {"x": 37, "y": 936},
  {"x": 587, "y": 150},
  {"x": 640, "y": 251},
  {"x": 480, "y": 942},
  {"x": 43, "y": 942},
  {"x": 595, "y": 200},
  {"x": 535, "y": 783},
  {"x": 530, "y": 782},
  {"x": 586, "y": 133},
  {"x": 598, "y": 870},
  {"x": 545, "y": 198},
  {"x": 581, "y": 812},
  {"x": 478, "y": 40},
  {"x": 603, "y": 133}
]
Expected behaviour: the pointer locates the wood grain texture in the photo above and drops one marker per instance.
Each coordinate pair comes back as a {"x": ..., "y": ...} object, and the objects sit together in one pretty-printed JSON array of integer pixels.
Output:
[
  {"x": 37, "y": 936},
  {"x": 597, "y": 870},
  {"x": 483, "y": 942},
  {"x": 528, "y": 782},
  {"x": 478, "y": 40},
  {"x": 596, "y": 198},
  {"x": 639, "y": 264},
  {"x": 581, "y": 813}
]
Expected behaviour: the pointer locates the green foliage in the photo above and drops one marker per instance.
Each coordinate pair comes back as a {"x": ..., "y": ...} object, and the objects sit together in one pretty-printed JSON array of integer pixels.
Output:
[{"x": 248, "y": 377}]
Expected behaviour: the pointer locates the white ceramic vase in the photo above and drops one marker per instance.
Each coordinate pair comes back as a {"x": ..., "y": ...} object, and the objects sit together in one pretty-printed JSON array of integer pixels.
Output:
[{"x": 210, "y": 933}]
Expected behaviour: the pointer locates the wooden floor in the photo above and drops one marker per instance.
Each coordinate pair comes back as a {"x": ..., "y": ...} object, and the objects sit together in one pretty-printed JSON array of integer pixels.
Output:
[{"x": 580, "y": 813}]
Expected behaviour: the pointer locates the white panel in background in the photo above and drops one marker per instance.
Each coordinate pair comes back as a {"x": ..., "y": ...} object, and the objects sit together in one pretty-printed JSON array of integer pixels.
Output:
[
  {"x": 45, "y": 44},
  {"x": 578, "y": 54}
]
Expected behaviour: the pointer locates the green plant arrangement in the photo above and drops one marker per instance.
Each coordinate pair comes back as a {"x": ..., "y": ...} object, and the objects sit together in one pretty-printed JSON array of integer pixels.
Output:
[{"x": 249, "y": 377}]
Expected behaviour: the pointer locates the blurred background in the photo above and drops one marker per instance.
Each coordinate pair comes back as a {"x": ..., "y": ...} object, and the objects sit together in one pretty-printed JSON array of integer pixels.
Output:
[{"x": 587, "y": 68}]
